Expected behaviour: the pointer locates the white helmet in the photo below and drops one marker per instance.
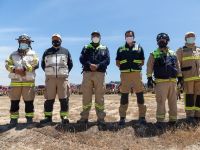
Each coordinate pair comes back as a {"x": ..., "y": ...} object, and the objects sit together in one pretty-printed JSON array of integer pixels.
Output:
[{"x": 57, "y": 35}]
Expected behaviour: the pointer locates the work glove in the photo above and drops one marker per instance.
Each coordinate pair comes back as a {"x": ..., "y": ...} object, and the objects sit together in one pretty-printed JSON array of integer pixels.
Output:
[
  {"x": 180, "y": 82},
  {"x": 20, "y": 71}
]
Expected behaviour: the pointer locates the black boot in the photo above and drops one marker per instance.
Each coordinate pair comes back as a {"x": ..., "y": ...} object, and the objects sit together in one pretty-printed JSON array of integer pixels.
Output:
[
  {"x": 64, "y": 120},
  {"x": 172, "y": 123},
  {"x": 29, "y": 120},
  {"x": 190, "y": 121},
  {"x": 122, "y": 121},
  {"x": 197, "y": 119},
  {"x": 64, "y": 107},
  {"x": 29, "y": 109},
  {"x": 13, "y": 122},
  {"x": 48, "y": 109},
  {"x": 101, "y": 125},
  {"x": 46, "y": 120},
  {"x": 142, "y": 120},
  {"x": 160, "y": 125},
  {"x": 82, "y": 121},
  {"x": 14, "y": 114}
]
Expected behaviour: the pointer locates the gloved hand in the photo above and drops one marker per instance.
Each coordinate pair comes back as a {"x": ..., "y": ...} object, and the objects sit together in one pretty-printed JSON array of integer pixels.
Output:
[
  {"x": 180, "y": 81},
  {"x": 20, "y": 71},
  {"x": 150, "y": 82}
]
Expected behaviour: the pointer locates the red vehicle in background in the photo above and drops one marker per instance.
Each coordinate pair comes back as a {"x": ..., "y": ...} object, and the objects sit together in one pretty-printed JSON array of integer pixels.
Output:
[
  {"x": 3, "y": 90},
  {"x": 111, "y": 88}
]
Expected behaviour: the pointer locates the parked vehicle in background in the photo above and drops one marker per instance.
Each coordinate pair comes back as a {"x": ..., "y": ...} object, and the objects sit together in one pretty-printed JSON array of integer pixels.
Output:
[
  {"x": 3, "y": 90},
  {"x": 111, "y": 88},
  {"x": 40, "y": 89}
]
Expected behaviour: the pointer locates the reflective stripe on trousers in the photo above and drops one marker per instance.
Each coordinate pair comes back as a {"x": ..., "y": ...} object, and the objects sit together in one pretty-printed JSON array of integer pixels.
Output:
[{"x": 16, "y": 84}]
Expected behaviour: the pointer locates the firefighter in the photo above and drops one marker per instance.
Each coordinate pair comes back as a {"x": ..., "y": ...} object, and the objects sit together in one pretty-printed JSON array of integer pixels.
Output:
[
  {"x": 130, "y": 59},
  {"x": 56, "y": 63},
  {"x": 94, "y": 58},
  {"x": 189, "y": 57},
  {"x": 22, "y": 65},
  {"x": 164, "y": 65}
]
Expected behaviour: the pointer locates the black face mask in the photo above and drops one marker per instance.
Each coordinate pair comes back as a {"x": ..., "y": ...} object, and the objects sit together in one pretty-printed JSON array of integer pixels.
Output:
[
  {"x": 56, "y": 43},
  {"x": 162, "y": 44}
]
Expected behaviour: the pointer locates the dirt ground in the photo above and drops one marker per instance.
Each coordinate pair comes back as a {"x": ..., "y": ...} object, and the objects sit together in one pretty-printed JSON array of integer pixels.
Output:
[{"x": 74, "y": 136}]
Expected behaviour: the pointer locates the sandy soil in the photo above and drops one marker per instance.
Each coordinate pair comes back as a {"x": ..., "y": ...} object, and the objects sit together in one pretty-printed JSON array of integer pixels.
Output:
[{"x": 73, "y": 136}]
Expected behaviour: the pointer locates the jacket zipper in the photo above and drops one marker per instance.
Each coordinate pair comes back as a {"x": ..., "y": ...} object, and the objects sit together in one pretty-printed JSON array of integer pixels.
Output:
[
  {"x": 130, "y": 68},
  {"x": 56, "y": 65}
]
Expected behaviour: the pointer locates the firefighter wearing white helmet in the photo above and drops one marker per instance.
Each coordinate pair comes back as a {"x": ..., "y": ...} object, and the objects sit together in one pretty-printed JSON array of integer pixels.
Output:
[
  {"x": 56, "y": 63},
  {"x": 21, "y": 65},
  {"x": 189, "y": 57}
]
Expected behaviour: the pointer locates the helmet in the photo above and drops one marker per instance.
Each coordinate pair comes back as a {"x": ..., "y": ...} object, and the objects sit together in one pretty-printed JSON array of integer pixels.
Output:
[
  {"x": 95, "y": 32},
  {"x": 189, "y": 33},
  {"x": 163, "y": 36},
  {"x": 24, "y": 37},
  {"x": 57, "y": 35}
]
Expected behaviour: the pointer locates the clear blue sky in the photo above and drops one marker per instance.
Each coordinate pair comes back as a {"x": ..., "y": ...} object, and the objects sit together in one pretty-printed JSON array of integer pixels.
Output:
[{"x": 75, "y": 20}]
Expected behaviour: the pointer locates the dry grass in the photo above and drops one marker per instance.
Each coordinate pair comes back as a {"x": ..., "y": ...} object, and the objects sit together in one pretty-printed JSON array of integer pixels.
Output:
[{"x": 130, "y": 137}]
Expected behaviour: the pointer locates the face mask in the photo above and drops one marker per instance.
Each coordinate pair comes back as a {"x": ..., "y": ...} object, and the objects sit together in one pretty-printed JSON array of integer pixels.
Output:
[
  {"x": 190, "y": 40},
  {"x": 162, "y": 44},
  {"x": 95, "y": 40},
  {"x": 23, "y": 46},
  {"x": 56, "y": 43},
  {"x": 129, "y": 40}
]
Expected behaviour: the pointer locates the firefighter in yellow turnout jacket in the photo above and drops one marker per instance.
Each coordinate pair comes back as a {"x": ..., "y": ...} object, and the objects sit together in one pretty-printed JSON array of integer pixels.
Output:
[
  {"x": 164, "y": 65},
  {"x": 189, "y": 57},
  {"x": 22, "y": 65},
  {"x": 130, "y": 59}
]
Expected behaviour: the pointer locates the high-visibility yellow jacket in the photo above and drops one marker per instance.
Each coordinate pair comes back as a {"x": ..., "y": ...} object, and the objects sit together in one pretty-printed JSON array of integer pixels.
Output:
[
  {"x": 189, "y": 58},
  {"x": 163, "y": 65}
]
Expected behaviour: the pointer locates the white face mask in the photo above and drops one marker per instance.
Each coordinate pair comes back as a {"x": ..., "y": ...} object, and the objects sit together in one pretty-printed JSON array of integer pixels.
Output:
[
  {"x": 129, "y": 40},
  {"x": 190, "y": 40},
  {"x": 95, "y": 39},
  {"x": 23, "y": 46}
]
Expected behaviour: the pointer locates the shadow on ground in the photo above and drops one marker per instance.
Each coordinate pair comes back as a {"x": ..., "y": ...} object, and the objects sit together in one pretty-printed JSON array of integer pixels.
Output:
[{"x": 141, "y": 130}]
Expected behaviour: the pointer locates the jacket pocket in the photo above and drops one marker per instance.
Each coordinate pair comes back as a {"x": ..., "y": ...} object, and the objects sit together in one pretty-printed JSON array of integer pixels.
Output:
[
  {"x": 49, "y": 71},
  {"x": 62, "y": 71}
]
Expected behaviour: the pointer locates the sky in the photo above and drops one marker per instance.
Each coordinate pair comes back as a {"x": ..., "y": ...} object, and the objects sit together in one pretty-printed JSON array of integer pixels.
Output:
[{"x": 76, "y": 19}]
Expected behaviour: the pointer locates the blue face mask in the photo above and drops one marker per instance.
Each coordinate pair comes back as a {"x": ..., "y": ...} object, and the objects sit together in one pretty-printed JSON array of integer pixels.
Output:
[
  {"x": 23, "y": 46},
  {"x": 190, "y": 40}
]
